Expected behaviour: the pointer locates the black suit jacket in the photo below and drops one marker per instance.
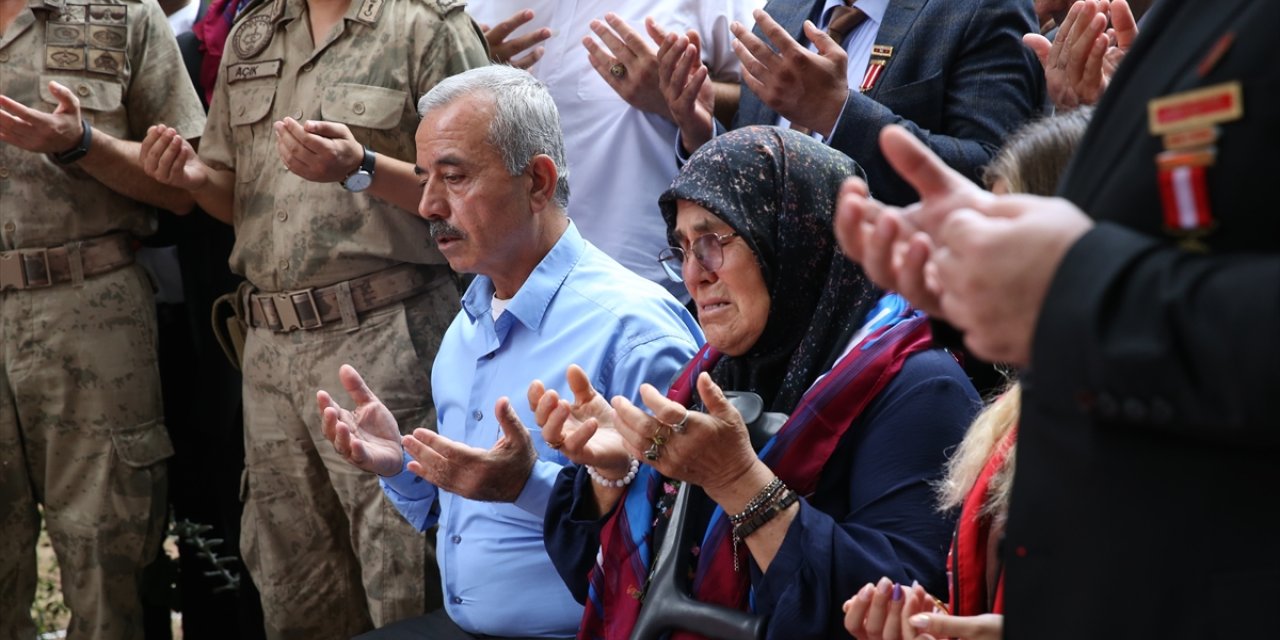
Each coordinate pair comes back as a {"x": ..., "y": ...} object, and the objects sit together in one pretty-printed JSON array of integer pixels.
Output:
[
  {"x": 959, "y": 78},
  {"x": 1150, "y": 444}
]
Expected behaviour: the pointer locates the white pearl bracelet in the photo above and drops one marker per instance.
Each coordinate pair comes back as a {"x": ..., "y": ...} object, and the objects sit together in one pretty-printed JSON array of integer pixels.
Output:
[{"x": 611, "y": 483}]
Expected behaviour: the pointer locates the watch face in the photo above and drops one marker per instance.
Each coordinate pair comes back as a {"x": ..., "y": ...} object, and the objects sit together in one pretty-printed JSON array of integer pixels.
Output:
[{"x": 358, "y": 181}]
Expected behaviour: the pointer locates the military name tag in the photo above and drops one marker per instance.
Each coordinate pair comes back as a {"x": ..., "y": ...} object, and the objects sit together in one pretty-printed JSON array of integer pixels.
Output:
[
  {"x": 1196, "y": 109},
  {"x": 250, "y": 70}
]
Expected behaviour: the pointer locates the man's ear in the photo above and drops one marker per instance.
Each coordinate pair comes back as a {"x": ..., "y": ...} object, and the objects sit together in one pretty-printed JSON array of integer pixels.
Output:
[{"x": 542, "y": 190}]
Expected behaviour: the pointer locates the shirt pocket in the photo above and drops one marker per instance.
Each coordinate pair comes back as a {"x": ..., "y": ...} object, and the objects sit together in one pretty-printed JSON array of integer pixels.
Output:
[
  {"x": 364, "y": 109},
  {"x": 100, "y": 100},
  {"x": 250, "y": 105}
]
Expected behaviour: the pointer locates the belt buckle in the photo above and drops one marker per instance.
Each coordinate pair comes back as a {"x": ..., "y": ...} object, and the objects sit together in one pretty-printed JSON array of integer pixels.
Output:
[
  {"x": 295, "y": 313},
  {"x": 36, "y": 259},
  {"x": 11, "y": 271}
]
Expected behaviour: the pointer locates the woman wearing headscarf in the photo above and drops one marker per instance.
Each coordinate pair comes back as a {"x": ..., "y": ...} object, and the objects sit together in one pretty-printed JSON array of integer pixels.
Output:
[{"x": 842, "y": 494}]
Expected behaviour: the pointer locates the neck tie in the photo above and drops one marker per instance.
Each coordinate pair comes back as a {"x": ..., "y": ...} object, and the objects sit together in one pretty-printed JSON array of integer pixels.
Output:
[{"x": 843, "y": 21}]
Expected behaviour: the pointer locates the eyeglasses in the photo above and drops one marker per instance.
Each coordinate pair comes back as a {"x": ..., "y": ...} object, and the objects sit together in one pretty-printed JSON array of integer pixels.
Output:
[{"x": 708, "y": 250}]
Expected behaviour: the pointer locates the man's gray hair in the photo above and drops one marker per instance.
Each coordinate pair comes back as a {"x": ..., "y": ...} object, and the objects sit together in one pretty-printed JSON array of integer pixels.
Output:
[{"x": 525, "y": 120}]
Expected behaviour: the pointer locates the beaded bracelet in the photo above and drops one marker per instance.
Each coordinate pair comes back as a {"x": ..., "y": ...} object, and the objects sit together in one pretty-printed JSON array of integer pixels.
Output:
[
  {"x": 749, "y": 527},
  {"x": 762, "y": 499},
  {"x": 612, "y": 483}
]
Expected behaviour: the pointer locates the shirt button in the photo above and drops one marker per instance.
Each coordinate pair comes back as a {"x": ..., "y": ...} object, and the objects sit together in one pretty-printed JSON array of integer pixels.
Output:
[
  {"x": 9, "y": 226},
  {"x": 4, "y": 56},
  {"x": 282, "y": 215},
  {"x": 308, "y": 67},
  {"x": 457, "y": 600},
  {"x": 284, "y": 265},
  {"x": 358, "y": 108},
  {"x": 456, "y": 539},
  {"x": 477, "y": 415},
  {"x": 83, "y": 90},
  {"x": 4, "y": 172},
  {"x": 297, "y": 115}
]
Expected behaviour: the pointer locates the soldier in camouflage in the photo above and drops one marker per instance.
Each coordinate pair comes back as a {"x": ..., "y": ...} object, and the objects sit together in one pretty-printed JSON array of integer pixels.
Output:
[
  {"x": 81, "y": 432},
  {"x": 308, "y": 152}
]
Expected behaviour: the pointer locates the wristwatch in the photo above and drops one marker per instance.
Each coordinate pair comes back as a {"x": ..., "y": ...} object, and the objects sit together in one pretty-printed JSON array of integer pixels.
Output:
[
  {"x": 79, "y": 151},
  {"x": 362, "y": 177}
]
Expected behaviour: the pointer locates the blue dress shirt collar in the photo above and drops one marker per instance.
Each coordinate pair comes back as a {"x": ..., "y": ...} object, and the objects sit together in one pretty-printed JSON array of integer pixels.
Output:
[{"x": 530, "y": 303}]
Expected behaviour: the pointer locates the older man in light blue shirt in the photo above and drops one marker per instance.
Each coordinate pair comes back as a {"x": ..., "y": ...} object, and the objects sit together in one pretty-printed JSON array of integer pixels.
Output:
[{"x": 490, "y": 159}]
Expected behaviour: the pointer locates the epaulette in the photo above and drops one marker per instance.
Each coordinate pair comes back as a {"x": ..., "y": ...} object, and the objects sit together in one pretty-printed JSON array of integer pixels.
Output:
[
  {"x": 255, "y": 5},
  {"x": 445, "y": 7},
  {"x": 85, "y": 3}
]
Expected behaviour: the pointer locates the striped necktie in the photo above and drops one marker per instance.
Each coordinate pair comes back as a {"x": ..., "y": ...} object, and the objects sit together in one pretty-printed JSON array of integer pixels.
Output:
[{"x": 844, "y": 20}]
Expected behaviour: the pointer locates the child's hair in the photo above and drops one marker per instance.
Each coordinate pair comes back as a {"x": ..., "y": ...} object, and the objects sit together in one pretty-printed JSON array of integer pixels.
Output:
[{"x": 1033, "y": 159}]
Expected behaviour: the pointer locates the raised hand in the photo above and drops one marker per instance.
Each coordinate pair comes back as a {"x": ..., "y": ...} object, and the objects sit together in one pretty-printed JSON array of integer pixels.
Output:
[
  {"x": 497, "y": 474},
  {"x": 711, "y": 450},
  {"x": 686, "y": 86},
  {"x": 802, "y": 86},
  {"x": 317, "y": 150},
  {"x": 169, "y": 159},
  {"x": 39, "y": 132},
  {"x": 504, "y": 49},
  {"x": 1082, "y": 58},
  {"x": 884, "y": 239},
  {"x": 960, "y": 254},
  {"x": 367, "y": 436},
  {"x": 583, "y": 431},
  {"x": 629, "y": 63}
]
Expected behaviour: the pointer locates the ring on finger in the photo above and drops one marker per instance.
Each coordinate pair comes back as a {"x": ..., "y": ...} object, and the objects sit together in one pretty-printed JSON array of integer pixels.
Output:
[
  {"x": 618, "y": 70},
  {"x": 555, "y": 445},
  {"x": 652, "y": 453},
  {"x": 679, "y": 427}
]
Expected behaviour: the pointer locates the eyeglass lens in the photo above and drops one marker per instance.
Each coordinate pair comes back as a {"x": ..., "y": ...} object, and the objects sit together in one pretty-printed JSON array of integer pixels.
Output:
[{"x": 706, "y": 249}]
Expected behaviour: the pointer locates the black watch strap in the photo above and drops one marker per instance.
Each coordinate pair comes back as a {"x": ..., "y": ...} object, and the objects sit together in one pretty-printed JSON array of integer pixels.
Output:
[
  {"x": 79, "y": 151},
  {"x": 362, "y": 177}
]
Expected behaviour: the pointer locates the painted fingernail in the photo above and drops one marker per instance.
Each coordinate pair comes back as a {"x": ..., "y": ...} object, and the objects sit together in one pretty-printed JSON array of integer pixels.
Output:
[{"x": 897, "y": 592}]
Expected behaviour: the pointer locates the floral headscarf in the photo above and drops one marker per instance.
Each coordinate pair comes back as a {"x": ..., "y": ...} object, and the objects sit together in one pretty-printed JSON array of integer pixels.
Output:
[{"x": 777, "y": 189}]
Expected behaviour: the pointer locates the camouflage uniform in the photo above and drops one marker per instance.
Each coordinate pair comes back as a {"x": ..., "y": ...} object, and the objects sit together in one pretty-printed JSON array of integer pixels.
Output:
[
  {"x": 319, "y": 538},
  {"x": 80, "y": 425}
]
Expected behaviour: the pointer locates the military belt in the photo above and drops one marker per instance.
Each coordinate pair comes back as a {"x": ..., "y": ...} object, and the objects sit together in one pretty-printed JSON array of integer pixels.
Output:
[
  {"x": 71, "y": 262},
  {"x": 309, "y": 309}
]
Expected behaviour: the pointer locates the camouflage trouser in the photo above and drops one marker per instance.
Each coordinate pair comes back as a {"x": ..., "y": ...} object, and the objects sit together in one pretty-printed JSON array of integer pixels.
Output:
[
  {"x": 80, "y": 433},
  {"x": 329, "y": 553}
]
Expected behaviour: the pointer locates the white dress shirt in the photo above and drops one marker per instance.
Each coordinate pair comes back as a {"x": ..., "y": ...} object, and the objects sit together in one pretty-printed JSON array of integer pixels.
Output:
[{"x": 619, "y": 157}]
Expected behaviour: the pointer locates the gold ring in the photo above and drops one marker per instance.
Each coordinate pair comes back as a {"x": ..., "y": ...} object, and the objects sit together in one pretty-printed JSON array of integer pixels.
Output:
[
  {"x": 555, "y": 445},
  {"x": 618, "y": 70},
  {"x": 652, "y": 453}
]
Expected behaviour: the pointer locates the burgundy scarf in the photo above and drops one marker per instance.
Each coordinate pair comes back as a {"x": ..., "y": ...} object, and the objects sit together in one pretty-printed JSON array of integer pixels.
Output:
[{"x": 797, "y": 454}]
